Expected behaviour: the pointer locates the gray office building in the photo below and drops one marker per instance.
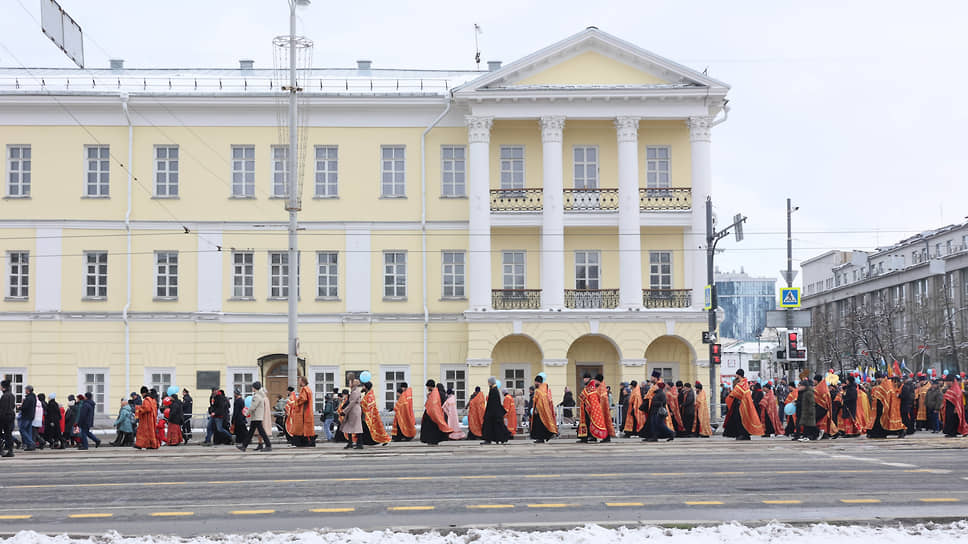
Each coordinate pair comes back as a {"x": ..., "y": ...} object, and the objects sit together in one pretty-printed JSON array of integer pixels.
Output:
[{"x": 745, "y": 300}]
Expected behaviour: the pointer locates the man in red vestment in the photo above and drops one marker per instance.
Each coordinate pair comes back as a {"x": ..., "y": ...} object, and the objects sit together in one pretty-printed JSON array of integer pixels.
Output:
[
  {"x": 592, "y": 426},
  {"x": 510, "y": 414},
  {"x": 741, "y": 420},
  {"x": 475, "y": 415},
  {"x": 147, "y": 414},
  {"x": 606, "y": 409}
]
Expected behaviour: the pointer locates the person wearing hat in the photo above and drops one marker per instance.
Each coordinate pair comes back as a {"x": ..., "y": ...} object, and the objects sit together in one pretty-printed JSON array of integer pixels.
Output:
[
  {"x": 741, "y": 421},
  {"x": 475, "y": 414},
  {"x": 494, "y": 429},
  {"x": 953, "y": 413},
  {"x": 592, "y": 426},
  {"x": 544, "y": 423},
  {"x": 176, "y": 417},
  {"x": 238, "y": 425},
  {"x": 887, "y": 410},
  {"x": 634, "y": 418},
  {"x": 921, "y": 409},
  {"x": 259, "y": 414},
  {"x": 433, "y": 426},
  {"x": 147, "y": 414},
  {"x": 933, "y": 402},
  {"x": 806, "y": 412},
  {"x": 8, "y": 415},
  {"x": 702, "y": 428},
  {"x": 352, "y": 425},
  {"x": 188, "y": 404},
  {"x": 404, "y": 422},
  {"x": 687, "y": 407}
]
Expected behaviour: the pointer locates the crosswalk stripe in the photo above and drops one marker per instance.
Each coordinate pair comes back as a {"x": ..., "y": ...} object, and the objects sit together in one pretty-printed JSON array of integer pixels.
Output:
[
  {"x": 16, "y": 516},
  {"x": 83, "y": 516},
  {"x": 617, "y": 504},
  {"x": 946, "y": 499}
]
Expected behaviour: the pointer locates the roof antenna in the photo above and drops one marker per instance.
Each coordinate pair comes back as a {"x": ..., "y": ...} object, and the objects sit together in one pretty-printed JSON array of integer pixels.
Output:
[
  {"x": 705, "y": 71},
  {"x": 477, "y": 48}
]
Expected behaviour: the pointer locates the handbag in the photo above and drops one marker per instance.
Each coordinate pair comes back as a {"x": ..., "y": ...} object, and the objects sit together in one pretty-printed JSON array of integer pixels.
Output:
[{"x": 663, "y": 412}]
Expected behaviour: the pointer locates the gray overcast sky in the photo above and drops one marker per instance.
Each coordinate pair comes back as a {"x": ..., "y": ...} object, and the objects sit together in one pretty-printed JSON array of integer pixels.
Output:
[{"x": 853, "y": 109}]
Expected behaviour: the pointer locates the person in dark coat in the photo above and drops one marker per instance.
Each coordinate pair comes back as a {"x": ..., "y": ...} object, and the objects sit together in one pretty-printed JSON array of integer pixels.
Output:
[
  {"x": 658, "y": 411},
  {"x": 52, "y": 421},
  {"x": 688, "y": 408},
  {"x": 908, "y": 394},
  {"x": 28, "y": 409},
  {"x": 8, "y": 415},
  {"x": 85, "y": 420},
  {"x": 238, "y": 418},
  {"x": 494, "y": 428},
  {"x": 807, "y": 412},
  {"x": 187, "y": 405},
  {"x": 70, "y": 421}
]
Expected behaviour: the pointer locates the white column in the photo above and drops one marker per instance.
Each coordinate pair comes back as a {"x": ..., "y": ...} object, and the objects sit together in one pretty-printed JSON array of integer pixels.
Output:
[
  {"x": 629, "y": 238},
  {"x": 552, "y": 215},
  {"x": 702, "y": 183},
  {"x": 479, "y": 260}
]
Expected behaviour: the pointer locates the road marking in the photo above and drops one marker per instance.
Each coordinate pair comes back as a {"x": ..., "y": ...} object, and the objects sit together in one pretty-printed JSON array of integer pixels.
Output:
[
  {"x": 667, "y": 474},
  {"x": 703, "y": 503},
  {"x": 226, "y": 482},
  {"x": 332, "y": 510},
  {"x": 940, "y": 500},
  {"x": 415, "y": 478},
  {"x": 165, "y": 483},
  {"x": 619, "y": 504},
  {"x": 494, "y": 478},
  {"x": 542, "y": 476},
  {"x": 782, "y": 502},
  {"x": 171, "y": 514},
  {"x": 288, "y": 481},
  {"x": 90, "y": 516},
  {"x": 350, "y": 479},
  {"x": 16, "y": 516},
  {"x": 604, "y": 475},
  {"x": 67, "y": 485},
  {"x": 791, "y": 472},
  {"x": 409, "y": 508},
  {"x": 860, "y": 501},
  {"x": 251, "y": 512},
  {"x": 551, "y": 505},
  {"x": 489, "y": 506}
]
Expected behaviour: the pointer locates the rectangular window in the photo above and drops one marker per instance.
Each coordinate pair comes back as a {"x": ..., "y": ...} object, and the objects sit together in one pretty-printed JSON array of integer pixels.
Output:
[
  {"x": 754, "y": 366},
  {"x": 455, "y": 378},
  {"x": 660, "y": 269},
  {"x": 243, "y": 274},
  {"x": 513, "y": 268},
  {"x": 586, "y": 166},
  {"x": 947, "y": 247},
  {"x": 18, "y": 171},
  {"x": 657, "y": 166},
  {"x": 166, "y": 274},
  {"x": 512, "y": 166},
  {"x": 160, "y": 379},
  {"x": 280, "y": 171},
  {"x": 327, "y": 178},
  {"x": 393, "y": 166},
  {"x": 393, "y": 377},
  {"x": 278, "y": 274},
  {"x": 97, "y": 171},
  {"x": 588, "y": 270},
  {"x": 95, "y": 274},
  {"x": 166, "y": 171},
  {"x": 453, "y": 274},
  {"x": 18, "y": 274},
  {"x": 515, "y": 377},
  {"x": 394, "y": 274},
  {"x": 242, "y": 379},
  {"x": 453, "y": 170},
  {"x": 95, "y": 381},
  {"x": 327, "y": 274},
  {"x": 17, "y": 378},
  {"x": 324, "y": 381},
  {"x": 243, "y": 171}
]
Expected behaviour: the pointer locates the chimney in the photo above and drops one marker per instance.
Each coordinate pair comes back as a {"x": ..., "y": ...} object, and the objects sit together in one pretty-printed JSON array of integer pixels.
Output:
[
  {"x": 364, "y": 65},
  {"x": 246, "y": 64},
  {"x": 493, "y": 65},
  {"x": 117, "y": 64}
]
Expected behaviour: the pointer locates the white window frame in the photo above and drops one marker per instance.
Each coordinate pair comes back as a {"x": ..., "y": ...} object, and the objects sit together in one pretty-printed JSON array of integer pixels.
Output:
[
  {"x": 101, "y": 171},
  {"x": 16, "y": 170},
  {"x": 526, "y": 367},
  {"x": 583, "y": 266},
  {"x": 670, "y": 371},
  {"x": 82, "y": 385},
  {"x": 513, "y": 274},
  {"x": 394, "y": 274},
  {"x": 390, "y": 396},
  {"x": 327, "y": 171},
  {"x": 14, "y": 385},
  {"x": 328, "y": 289},
  {"x": 171, "y": 292},
  {"x": 398, "y": 172},
  {"x": 583, "y": 181},
  {"x": 244, "y": 385},
  {"x": 451, "y": 383},
  {"x": 149, "y": 382},
  {"x": 167, "y": 177},
  {"x": 243, "y": 275},
  {"x": 512, "y": 169},
  {"x": 454, "y": 271},
  {"x": 100, "y": 281},
  {"x": 279, "y": 283},
  {"x": 18, "y": 275},
  {"x": 243, "y": 171},
  {"x": 453, "y": 171},
  {"x": 659, "y": 273},
  {"x": 653, "y": 166},
  {"x": 319, "y": 397},
  {"x": 280, "y": 171}
]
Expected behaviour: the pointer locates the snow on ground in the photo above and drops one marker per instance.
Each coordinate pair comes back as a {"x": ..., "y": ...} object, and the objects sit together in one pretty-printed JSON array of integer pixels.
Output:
[{"x": 592, "y": 534}]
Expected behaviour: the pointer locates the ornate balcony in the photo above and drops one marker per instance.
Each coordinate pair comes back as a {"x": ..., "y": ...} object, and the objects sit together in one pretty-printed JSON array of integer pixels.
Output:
[
  {"x": 666, "y": 298},
  {"x": 516, "y": 200},
  {"x": 516, "y": 299},
  {"x": 591, "y": 200},
  {"x": 665, "y": 199},
  {"x": 591, "y": 299}
]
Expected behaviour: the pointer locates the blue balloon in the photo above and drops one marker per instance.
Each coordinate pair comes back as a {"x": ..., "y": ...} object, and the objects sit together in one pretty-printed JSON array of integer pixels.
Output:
[
  {"x": 790, "y": 409},
  {"x": 464, "y": 420},
  {"x": 498, "y": 385},
  {"x": 248, "y": 401},
  {"x": 173, "y": 390},
  {"x": 543, "y": 376},
  {"x": 365, "y": 376}
]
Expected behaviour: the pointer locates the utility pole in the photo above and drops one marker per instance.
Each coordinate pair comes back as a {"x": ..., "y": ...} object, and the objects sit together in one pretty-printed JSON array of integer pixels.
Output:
[
  {"x": 789, "y": 275},
  {"x": 292, "y": 204}
]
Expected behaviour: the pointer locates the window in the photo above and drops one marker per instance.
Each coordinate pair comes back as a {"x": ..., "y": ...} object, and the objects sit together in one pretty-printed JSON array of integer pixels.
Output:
[
  {"x": 18, "y": 273},
  {"x": 327, "y": 275},
  {"x": 453, "y": 274},
  {"x": 394, "y": 274},
  {"x": 166, "y": 274},
  {"x": 947, "y": 247},
  {"x": 393, "y": 163},
  {"x": 587, "y": 270},
  {"x": 97, "y": 165},
  {"x": 324, "y": 381},
  {"x": 660, "y": 270},
  {"x": 166, "y": 171},
  {"x": 512, "y": 166},
  {"x": 279, "y": 274},
  {"x": 17, "y": 377},
  {"x": 586, "y": 166},
  {"x": 455, "y": 378},
  {"x": 515, "y": 377},
  {"x": 392, "y": 377},
  {"x": 754, "y": 365},
  {"x": 243, "y": 171},
  {"x": 937, "y": 249},
  {"x": 666, "y": 372},
  {"x": 513, "y": 265},
  {"x": 327, "y": 180},
  {"x": 280, "y": 171},
  {"x": 242, "y": 379},
  {"x": 160, "y": 379},
  {"x": 95, "y": 274},
  {"x": 242, "y": 274},
  {"x": 914, "y": 257},
  {"x": 94, "y": 380},
  {"x": 453, "y": 170},
  {"x": 18, "y": 170},
  {"x": 657, "y": 166}
]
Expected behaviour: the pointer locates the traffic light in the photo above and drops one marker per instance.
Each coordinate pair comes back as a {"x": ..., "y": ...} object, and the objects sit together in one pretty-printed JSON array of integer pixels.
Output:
[
  {"x": 716, "y": 353},
  {"x": 793, "y": 338},
  {"x": 796, "y": 350}
]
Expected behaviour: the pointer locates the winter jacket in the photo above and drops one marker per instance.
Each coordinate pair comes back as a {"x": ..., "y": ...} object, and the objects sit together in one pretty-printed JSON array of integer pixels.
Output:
[
  {"x": 259, "y": 411},
  {"x": 85, "y": 417},
  {"x": 8, "y": 408},
  {"x": 28, "y": 408},
  {"x": 125, "y": 421},
  {"x": 807, "y": 408},
  {"x": 933, "y": 399}
]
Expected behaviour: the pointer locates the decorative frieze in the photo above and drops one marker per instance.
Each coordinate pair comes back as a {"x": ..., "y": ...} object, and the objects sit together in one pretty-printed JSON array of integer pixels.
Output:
[
  {"x": 700, "y": 128},
  {"x": 627, "y": 129},
  {"x": 479, "y": 129},
  {"x": 552, "y": 128}
]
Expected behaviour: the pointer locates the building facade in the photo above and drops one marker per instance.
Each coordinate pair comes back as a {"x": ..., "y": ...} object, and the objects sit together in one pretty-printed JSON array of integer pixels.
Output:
[
  {"x": 906, "y": 302},
  {"x": 454, "y": 225},
  {"x": 745, "y": 300}
]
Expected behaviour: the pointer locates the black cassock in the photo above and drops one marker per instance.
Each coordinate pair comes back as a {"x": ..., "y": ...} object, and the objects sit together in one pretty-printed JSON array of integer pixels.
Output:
[{"x": 494, "y": 429}]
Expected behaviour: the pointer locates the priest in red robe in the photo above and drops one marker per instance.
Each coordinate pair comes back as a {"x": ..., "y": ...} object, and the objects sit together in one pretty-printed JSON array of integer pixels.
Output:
[
  {"x": 404, "y": 422},
  {"x": 741, "y": 421},
  {"x": 475, "y": 415},
  {"x": 147, "y": 414}
]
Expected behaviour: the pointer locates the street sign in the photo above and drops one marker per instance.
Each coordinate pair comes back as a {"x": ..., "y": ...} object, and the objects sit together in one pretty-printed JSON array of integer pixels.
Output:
[
  {"x": 708, "y": 292},
  {"x": 783, "y": 274},
  {"x": 66, "y": 34},
  {"x": 778, "y": 318},
  {"x": 789, "y": 297},
  {"x": 738, "y": 226},
  {"x": 709, "y": 337}
]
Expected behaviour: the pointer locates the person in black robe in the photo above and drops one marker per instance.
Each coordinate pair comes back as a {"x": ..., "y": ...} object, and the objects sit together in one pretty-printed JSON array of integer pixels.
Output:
[
  {"x": 52, "y": 417},
  {"x": 494, "y": 428},
  {"x": 187, "y": 405},
  {"x": 539, "y": 432},
  {"x": 567, "y": 403},
  {"x": 658, "y": 410},
  {"x": 430, "y": 433},
  {"x": 238, "y": 419},
  {"x": 908, "y": 394},
  {"x": 687, "y": 406},
  {"x": 176, "y": 414}
]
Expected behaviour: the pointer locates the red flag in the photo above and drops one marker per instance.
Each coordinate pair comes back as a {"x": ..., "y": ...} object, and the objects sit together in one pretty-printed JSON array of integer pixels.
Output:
[{"x": 896, "y": 371}]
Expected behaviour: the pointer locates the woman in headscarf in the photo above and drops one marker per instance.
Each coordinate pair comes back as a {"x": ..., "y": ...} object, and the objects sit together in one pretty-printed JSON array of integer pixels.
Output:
[
  {"x": 373, "y": 430},
  {"x": 494, "y": 428},
  {"x": 450, "y": 413},
  {"x": 433, "y": 426}
]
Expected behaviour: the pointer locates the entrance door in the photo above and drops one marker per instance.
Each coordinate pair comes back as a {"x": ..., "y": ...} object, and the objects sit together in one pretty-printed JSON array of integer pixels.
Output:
[
  {"x": 592, "y": 369},
  {"x": 277, "y": 381}
]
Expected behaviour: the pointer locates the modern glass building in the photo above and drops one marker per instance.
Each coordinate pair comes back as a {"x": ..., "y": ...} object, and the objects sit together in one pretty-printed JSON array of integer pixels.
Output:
[{"x": 745, "y": 300}]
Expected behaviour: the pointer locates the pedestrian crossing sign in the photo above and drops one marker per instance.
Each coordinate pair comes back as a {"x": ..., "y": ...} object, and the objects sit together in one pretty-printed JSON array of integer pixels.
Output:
[{"x": 789, "y": 297}]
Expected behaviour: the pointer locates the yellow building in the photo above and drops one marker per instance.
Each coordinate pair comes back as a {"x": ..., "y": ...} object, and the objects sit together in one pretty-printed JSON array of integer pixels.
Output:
[{"x": 538, "y": 216}]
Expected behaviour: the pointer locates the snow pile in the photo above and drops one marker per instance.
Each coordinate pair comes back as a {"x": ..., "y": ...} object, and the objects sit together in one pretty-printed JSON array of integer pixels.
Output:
[{"x": 591, "y": 534}]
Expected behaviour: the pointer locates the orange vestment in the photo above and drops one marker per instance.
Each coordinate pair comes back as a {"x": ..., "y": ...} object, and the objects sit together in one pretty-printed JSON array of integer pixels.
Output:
[
  {"x": 592, "y": 418},
  {"x": 475, "y": 414},
  {"x": 634, "y": 418},
  {"x": 891, "y": 411},
  {"x": 606, "y": 409},
  {"x": 510, "y": 415},
  {"x": 701, "y": 425},
  {"x": 742, "y": 396},
  {"x": 544, "y": 408},
  {"x": 404, "y": 422},
  {"x": 147, "y": 415},
  {"x": 302, "y": 413},
  {"x": 822, "y": 399},
  {"x": 371, "y": 414},
  {"x": 436, "y": 412}
]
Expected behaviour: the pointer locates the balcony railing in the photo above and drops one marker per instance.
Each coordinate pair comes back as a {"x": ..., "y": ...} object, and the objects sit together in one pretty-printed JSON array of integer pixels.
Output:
[
  {"x": 665, "y": 199},
  {"x": 666, "y": 298},
  {"x": 591, "y": 200},
  {"x": 516, "y": 299},
  {"x": 516, "y": 200},
  {"x": 591, "y": 299}
]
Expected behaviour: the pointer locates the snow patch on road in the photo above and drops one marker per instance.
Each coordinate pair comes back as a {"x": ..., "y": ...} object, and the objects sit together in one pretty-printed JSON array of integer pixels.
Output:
[{"x": 721, "y": 534}]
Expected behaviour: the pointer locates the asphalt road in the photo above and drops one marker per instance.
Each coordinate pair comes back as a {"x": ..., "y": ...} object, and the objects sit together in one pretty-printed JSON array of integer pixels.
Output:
[{"x": 193, "y": 490}]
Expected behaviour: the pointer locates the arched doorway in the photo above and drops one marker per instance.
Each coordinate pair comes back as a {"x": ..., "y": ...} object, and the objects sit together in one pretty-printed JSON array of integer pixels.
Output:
[
  {"x": 672, "y": 356},
  {"x": 515, "y": 360},
  {"x": 274, "y": 370},
  {"x": 594, "y": 354}
]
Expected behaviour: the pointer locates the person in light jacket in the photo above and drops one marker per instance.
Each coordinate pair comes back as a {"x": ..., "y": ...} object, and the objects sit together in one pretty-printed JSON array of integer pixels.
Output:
[
  {"x": 352, "y": 425},
  {"x": 125, "y": 425},
  {"x": 259, "y": 414}
]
